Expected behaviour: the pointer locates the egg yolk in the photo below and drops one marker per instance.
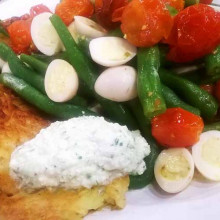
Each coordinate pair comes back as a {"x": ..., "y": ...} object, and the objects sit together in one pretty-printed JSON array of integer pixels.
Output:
[
  {"x": 211, "y": 151},
  {"x": 175, "y": 168}
]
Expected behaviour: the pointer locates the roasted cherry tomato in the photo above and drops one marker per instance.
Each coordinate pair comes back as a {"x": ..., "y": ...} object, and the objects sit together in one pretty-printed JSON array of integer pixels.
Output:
[
  {"x": 217, "y": 91},
  {"x": 209, "y": 88},
  {"x": 20, "y": 36},
  {"x": 109, "y": 11},
  {"x": 25, "y": 17},
  {"x": 196, "y": 32},
  {"x": 177, "y": 128},
  {"x": 38, "y": 9},
  {"x": 67, "y": 9},
  {"x": 117, "y": 14},
  {"x": 146, "y": 22},
  {"x": 177, "y": 4}
]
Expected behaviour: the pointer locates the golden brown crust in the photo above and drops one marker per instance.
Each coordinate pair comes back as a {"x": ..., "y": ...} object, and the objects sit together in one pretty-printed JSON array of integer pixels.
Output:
[
  {"x": 19, "y": 123},
  {"x": 62, "y": 205}
]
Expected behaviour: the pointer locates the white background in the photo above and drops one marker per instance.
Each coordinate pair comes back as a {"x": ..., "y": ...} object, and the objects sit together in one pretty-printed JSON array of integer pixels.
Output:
[{"x": 199, "y": 201}]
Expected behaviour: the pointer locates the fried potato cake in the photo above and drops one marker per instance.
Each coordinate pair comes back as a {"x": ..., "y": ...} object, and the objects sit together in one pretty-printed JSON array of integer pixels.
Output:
[
  {"x": 20, "y": 122},
  {"x": 62, "y": 205}
]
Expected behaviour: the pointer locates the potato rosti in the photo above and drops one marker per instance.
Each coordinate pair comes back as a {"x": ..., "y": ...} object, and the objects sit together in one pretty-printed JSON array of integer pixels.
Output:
[
  {"x": 62, "y": 205},
  {"x": 18, "y": 123}
]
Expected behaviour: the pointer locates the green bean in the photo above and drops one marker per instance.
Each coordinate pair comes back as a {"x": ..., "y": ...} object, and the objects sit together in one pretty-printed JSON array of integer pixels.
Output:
[
  {"x": 80, "y": 62},
  {"x": 28, "y": 75},
  {"x": 87, "y": 73},
  {"x": 78, "y": 100},
  {"x": 191, "y": 93},
  {"x": 137, "y": 182},
  {"x": 5, "y": 51},
  {"x": 149, "y": 86},
  {"x": 3, "y": 30},
  {"x": 172, "y": 101},
  {"x": 48, "y": 59},
  {"x": 212, "y": 62},
  {"x": 83, "y": 44},
  {"x": 20, "y": 70},
  {"x": 42, "y": 102},
  {"x": 36, "y": 64}
]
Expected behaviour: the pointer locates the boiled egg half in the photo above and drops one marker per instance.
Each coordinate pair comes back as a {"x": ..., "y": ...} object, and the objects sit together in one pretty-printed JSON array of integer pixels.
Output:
[
  {"x": 44, "y": 35},
  {"x": 118, "y": 84},
  {"x": 89, "y": 28},
  {"x": 111, "y": 51},
  {"x": 61, "y": 81},
  {"x": 174, "y": 169},
  {"x": 206, "y": 154}
]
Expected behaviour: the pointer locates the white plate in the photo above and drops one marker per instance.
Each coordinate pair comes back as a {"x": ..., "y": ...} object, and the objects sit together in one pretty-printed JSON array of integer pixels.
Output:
[{"x": 201, "y": 200}]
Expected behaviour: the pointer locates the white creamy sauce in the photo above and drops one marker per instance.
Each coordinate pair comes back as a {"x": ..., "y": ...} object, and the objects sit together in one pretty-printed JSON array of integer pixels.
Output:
[{"x": 80, "y": 152}]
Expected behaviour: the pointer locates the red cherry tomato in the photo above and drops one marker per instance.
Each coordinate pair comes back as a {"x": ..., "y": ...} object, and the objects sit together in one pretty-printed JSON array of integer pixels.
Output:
[
  {"x": 217, "y": 91},
  {"x": 67, "y": 9},
  {"x": 177, "y": 128},
  {"x": 38, "y": 9},
  {"x": 196, "y": 32},
  {"x": 177, "y": 4},
  {"x": 146, "y": 22},
  {"x": 25, "y": 17},
  {"x": 117, "y": 14},
  {"x": 20, "y": 36},
  {"x": 209, "y": 88},
  {"x": 109, "y": 11}
]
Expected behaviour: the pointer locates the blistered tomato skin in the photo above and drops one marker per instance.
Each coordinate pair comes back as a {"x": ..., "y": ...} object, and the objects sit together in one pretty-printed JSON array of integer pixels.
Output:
[
  {"x": 146, "y": 22},
  {"x": 108, "y": 12},
  {"x": 20, "y": 37},
  {"x": 67, "y": 9},
  {"x": 196, "y": 32},
  {"x": 38, "y": 9},
  {"x": 177, "y": 128}
]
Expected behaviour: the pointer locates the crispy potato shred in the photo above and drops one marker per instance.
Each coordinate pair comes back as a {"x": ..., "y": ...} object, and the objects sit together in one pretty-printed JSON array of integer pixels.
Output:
[{"x": 20, "y": 122}]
